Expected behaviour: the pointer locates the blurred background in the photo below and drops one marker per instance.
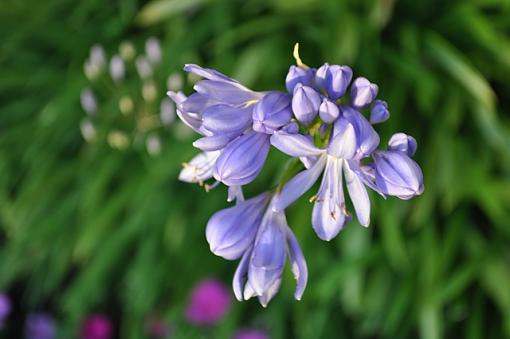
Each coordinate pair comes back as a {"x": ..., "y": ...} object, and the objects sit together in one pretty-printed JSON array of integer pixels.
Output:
[{"x": 98, "y": 238}]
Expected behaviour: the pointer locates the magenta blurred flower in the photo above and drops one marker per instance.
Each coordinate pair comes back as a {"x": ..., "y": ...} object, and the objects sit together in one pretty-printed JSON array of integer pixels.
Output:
[
  {"x": 208, "y": 304},
  {"x": 40, "y": 326},
  {"x": 96, "y": 326},
  {"x": 249, "y": 333},
  {"x": 5, "y": 308}
]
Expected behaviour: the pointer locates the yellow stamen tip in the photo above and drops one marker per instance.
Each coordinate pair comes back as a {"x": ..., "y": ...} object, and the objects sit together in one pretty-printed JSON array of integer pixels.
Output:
[{"x": 296, "y": 56}]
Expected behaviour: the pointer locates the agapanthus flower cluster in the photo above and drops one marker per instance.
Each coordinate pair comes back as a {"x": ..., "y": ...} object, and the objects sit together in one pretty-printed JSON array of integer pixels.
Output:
[
  {"x": 123, "y": 100},
  {"x": 320, "y": 122}
]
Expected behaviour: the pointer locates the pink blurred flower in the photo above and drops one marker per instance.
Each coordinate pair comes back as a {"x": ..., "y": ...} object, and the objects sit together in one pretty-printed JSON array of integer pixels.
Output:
[
  {"x": 248, "y": 333},
  {"x": 209, "y": 302},
  {"x": 96, "y": 326}
]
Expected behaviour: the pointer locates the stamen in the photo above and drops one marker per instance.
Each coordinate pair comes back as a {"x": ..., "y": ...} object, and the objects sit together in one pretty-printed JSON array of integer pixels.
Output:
[
  {"x": 208, "y": 187},
  {"x": 313, "y": 198},
  {"x": 344, "y": 209},
  {"x": 296, "y": 56},
  {"x": 185, "y": 164}
]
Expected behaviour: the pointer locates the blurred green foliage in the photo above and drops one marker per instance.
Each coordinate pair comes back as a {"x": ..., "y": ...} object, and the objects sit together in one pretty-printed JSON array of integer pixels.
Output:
[{"x": 88, "y": 228}]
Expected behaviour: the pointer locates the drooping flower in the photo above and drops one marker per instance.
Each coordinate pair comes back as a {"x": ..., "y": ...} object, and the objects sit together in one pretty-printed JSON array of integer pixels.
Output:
[
  {"x": 40, "y": 326},
  {"x": 96, "y": 326},
  {"x": 208, "y": 304},
  {"x": 259, "y": 272},
  {"x": 230, "y": 232}
]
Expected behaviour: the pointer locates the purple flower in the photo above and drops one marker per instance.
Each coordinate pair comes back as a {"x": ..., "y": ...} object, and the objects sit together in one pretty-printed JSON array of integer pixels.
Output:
[
  {"x": 379, "y": 112},
  {"x": 337, "y": 80},
  {"x": 5, "y": 308},
  {"x": 260, "y": 270},
  {"x": 352, "y": 139},
  {"x": 222, "y": 111},
  {"x": 397, "y": 174},
  {"x": 305, "y": 103},
  {"x": 250, "y": 334},
  {"x": 40, "y": 326},
  {"x": 230, "y": 232},
  {"x": 297, "y": 75},
  {"x": 403, "y": 143},
  {"x": 314, "y": 123},
  {"x": 272, "y": 112},
  {"x": 242, "y": 159},
  {"x": 208, "y": 304},
  {"x": 363, "y": 92},
  {"x": 96, "y": 326}
]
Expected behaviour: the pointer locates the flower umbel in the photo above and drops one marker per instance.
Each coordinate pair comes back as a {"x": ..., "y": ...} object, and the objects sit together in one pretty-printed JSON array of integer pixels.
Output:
[{"x": 321, "y": 122}]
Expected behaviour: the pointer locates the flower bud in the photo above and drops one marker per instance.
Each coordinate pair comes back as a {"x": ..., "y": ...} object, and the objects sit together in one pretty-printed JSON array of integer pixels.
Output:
[
  {"x": 379, "y": 112},
  {"x": 298, "y": 75},
  {"x": 272, "y": 112},
  {"x": 337, "y": 80},
  {"x": 242, "y": 159},
  {"x": 403, "y": 143},
  {"x": 398, "y": 175},
  {"x": 305, "y": 103},
  {"x": 321, "y": 77},
  {"x": 328, "y": 111},
  {"x": 363, "y": 92}
]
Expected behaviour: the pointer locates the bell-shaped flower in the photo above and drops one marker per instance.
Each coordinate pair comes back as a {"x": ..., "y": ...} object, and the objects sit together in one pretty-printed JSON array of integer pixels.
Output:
[
  {"x": 231, "y": 231},
  {"x": 379, "y": 112},
  {"x": 260, "y": 270},
  {"x": 338, "y": 79},
  {"x": 397, "y": 174},
  {"x": 272, "y": 112},
  {"x": 363, "y": 92},
  {"x": 328, "y": 111},
  {"x": 403, "y": 143},
  {"x": 242, "y": 159},
  {"x": 305, "y": 103},
  {"x": 299, "y": 74},
  {"x": 342, "y": 153}
]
